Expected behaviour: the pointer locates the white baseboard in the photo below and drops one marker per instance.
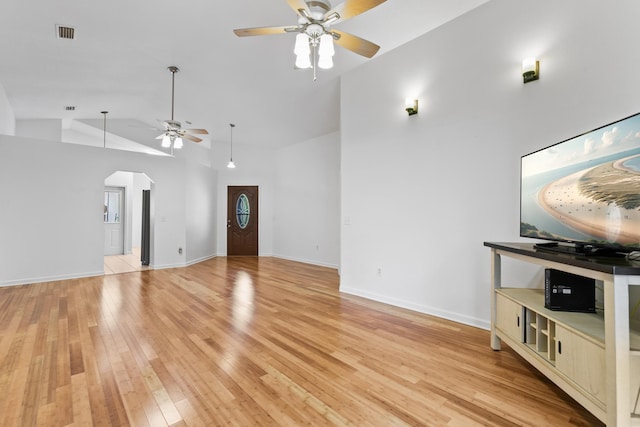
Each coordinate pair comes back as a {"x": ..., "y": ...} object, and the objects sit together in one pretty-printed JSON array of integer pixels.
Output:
[
  {"x": 421, "y": 308},
  {"x": 201, "y": 259},
  {"x": 30, "y": 280},
  {"x": 307, "y": 261},
  {"x": 43, "y": 279},
  {"x": 289, "y": 258}
]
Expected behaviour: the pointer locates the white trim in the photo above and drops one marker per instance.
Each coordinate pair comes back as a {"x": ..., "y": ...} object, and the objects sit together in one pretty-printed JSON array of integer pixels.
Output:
[
  {"x": 29, "y": 281},
  {"x": 306, "y": 261},
  {"x": 166, "y": 266},
  {"x": 456, "y": 317},
  {"x": 201, "y": 259},
  {"x": 33, "y": 280}
]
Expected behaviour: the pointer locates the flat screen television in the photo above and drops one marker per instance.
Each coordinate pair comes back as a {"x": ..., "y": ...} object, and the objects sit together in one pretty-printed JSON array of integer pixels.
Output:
[{"x": 585, "y": 191}]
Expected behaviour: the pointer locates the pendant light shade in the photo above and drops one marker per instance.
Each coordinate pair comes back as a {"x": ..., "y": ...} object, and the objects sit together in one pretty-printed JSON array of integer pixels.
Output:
[
  {"x": 166, "y": 141},
  {"x": 302, "y": 51},
  {"x": 326, "y": 52},
  {"x": 326, "y": 45},
  {"x": 177, "y": 143},
  {"x": 303, "y": 61},
  {"x": 325, "y": 62},
  {"x": 302, "y": 45}
]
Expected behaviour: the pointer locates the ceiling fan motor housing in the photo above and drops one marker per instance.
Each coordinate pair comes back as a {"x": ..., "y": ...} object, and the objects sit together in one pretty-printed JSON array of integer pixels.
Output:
[
  {"x": 173, "y": 124},
  {"x": 318, "y": 8}
]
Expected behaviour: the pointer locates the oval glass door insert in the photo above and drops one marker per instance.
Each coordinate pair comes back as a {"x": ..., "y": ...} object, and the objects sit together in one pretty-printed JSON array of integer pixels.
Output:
[{"x": 243, "y": 211}]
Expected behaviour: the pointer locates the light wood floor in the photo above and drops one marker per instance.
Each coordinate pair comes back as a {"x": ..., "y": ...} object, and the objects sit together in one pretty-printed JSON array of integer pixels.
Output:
[{"x": 248, "y": 342}]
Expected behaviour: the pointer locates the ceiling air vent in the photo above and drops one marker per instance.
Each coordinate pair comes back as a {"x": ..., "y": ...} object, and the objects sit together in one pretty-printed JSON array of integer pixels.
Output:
[
  {"x": 65, "y": 32},
  {"x": 70, "y": 108}
]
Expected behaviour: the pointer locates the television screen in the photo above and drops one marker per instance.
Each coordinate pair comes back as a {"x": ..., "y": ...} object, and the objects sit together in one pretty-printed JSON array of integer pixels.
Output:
[{"x": 586, "y": 189}]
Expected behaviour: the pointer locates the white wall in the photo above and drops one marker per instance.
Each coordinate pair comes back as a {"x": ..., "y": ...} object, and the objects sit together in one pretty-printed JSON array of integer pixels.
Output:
[
  {"x": 49, "y": 129},
  {"x": 52, "y": 208},
  {"x": 201, "y": 216},
  {"x": 421, "y": 194},
  {"x": 307, "y": 225},
  {"x": 7, "y": 117}
]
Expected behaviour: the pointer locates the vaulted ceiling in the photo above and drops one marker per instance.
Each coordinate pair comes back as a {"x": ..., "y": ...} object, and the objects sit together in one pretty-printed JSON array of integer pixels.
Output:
[{"x": 118, "y": 62}]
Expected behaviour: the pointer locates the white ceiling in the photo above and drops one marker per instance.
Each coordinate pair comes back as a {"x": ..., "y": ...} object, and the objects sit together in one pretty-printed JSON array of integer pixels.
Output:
[{"x": 118, "y": 62}]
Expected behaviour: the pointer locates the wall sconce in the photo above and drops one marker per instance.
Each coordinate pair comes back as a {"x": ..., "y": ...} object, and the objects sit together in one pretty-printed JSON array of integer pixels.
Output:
[
  {"x": 530, "y": 69},
  {"x": 411, "y": 106}
]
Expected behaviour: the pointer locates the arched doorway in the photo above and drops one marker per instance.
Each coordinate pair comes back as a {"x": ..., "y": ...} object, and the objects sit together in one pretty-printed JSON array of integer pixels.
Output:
[{"x": 125, "y": 218}]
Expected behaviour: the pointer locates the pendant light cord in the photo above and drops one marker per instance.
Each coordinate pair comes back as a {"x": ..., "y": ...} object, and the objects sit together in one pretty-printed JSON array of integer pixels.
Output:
[{"x": 231, "y": 126}]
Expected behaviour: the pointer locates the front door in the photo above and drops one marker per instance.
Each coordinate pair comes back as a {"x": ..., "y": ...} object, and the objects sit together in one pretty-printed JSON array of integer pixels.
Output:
[
  {"x": 113, "y": 224},
  {"x": 242, "y": 220}
]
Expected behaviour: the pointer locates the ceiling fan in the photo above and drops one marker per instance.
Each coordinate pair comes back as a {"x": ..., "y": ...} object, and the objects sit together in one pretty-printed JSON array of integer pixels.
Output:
[
  {"x": 315, "y": 35},
  {"x": 173, "y": 134}
]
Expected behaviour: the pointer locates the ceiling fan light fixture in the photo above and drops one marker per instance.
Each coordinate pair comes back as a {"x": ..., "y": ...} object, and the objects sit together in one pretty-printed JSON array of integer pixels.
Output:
[
  {"x": 166, "y": 141},
  {"x": 326, "y": 51},
  {"x": 177, "y": 143},
  {"x": 302, "y": 45},
  {"x": 326, "y": 45},
  {"x": 303, "y": 61},
  {"x": 325, "y": 62}
]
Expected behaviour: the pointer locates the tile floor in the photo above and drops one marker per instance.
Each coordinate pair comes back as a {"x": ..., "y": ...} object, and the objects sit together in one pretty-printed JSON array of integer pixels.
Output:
[{"x": 116, "y": 264}]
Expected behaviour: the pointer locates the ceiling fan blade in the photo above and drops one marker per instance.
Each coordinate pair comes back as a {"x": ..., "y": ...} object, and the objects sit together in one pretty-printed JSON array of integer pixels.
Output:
[
  {"x": 351, "y": 8},
  {"x": 356, "y": 44},
  {"x": 263, "y": 31},
  {"x": 191, "y": 137},
  {"x": 301, "y": 8},
  {"x": 160, "y": 136},
  {"x": 197, "y": 131}
]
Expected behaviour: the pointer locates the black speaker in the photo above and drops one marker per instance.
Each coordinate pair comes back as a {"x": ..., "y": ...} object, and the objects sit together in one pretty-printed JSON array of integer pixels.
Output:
[{"x": 569, "y": 292}]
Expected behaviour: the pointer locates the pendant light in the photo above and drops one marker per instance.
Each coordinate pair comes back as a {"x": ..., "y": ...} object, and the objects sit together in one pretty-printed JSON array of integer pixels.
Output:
[{"x": 231, "y": 165}]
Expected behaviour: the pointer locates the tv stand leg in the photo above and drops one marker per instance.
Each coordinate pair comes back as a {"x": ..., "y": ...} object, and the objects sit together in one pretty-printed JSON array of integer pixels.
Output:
[
  {"x": 616, "y": 312},
  {"x": 496, "y": 283}
]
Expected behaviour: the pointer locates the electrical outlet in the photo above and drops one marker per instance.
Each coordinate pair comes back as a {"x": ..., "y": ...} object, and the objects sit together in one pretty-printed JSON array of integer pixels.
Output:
[
  {"x": 180, "y": 251},
  {"x": 379, "y": 272}
]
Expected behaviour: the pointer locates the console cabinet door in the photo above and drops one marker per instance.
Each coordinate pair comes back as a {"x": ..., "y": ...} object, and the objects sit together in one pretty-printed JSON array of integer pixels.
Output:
[
  {"x": 582, "y": 361},
  {"x": 509, "y": 318}
]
